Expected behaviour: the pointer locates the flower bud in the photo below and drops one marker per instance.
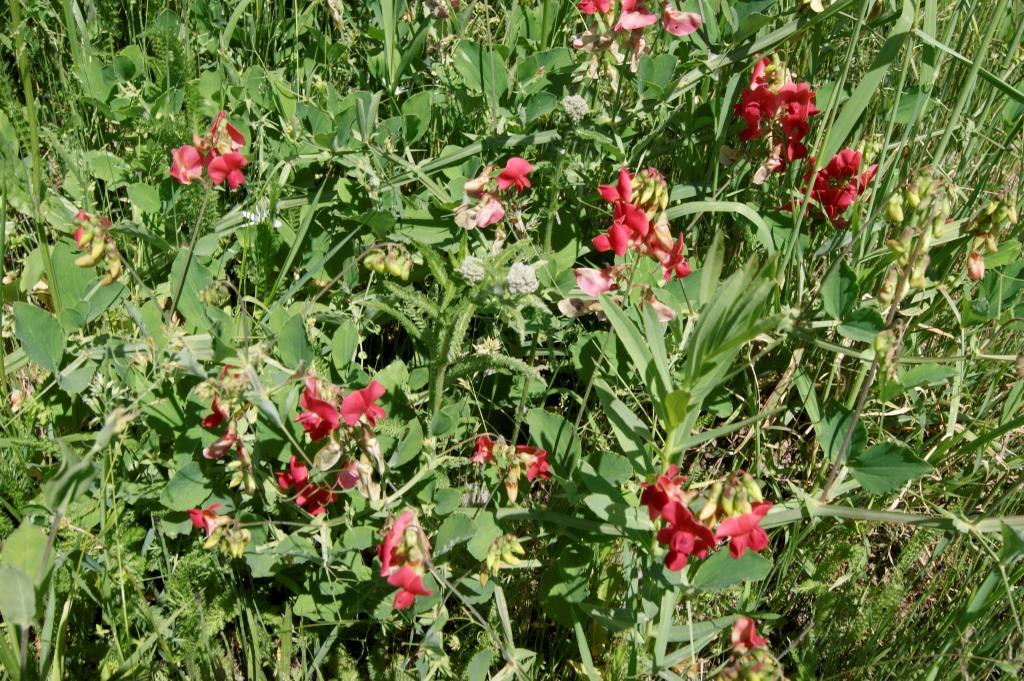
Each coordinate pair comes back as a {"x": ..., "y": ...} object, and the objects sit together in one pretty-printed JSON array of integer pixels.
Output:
[
  {"x": 894, "y": 209},
  {"x": 751, "y": 487},
  {"x": 975, "y": 266},
  {"x": 917, "y": 276}
]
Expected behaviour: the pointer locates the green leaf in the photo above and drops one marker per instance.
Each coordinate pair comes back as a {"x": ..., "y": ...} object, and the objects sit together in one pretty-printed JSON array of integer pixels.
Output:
[
  {"x": 839, "y": 291},
  {"x": 24, "y": 550},
  {"x": 292, "y": 343},
  {"x": 886, "y": 467},
  {"x": 483, "y": 71},
  {"x": 479, "y": 665},
  {"x": 487, "y": 530},
  {"x": 416, "y": 116},
  {"x": 145, "y": 197},
  {"x": 187, "y": 489},
  {"x": 1013, "y": 545},
  {"x": 927, "y": 374},
  {"x": 343, "y": 345},
  {"x": 721, "y": 570},
  {"x": 862, "y": 325},
  {"x": 72, "y": 479},
  {"x": 17, "y": 597},
  {"x": 832, "y": 430},
  {"x": 457, "y": 528},
  {"x": 40, "y": 334},
  {"x": 558, "y": 437},
  {"x": 106, "y": 166}
]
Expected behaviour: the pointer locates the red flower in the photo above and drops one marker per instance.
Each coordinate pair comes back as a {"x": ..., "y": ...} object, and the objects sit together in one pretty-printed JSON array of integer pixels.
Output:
[
  {"x": 744, "y": 635},
  {"x": 312, "y": 498},
  {"x": 186, "y": 164},
  {"x": 362, "y": 403},
  {"x": 589, "y": 7},
  {"x": 744, "y": 531},
  {"x": 216, "y": 416},
  {"x": 221, "y": 447},
  {"x": 837, "y": 185},
  {"x": 679, "y": 23},
  {"x": 402, "y": 551},
  {"x": 483, "y": 452},
  {"x": 666, "y": 489},
  {"x": 536, "y": 460},
  {"x": 320, "y": 417},
  {"x": 232, "y": 141},
  {"x": 205, "y": 519},
  {"x": 684, "y": 536},
  {"x": 410, "y": 585},
  {"x": 515, "y": 172},
  {"x": 228, "y": 167}
]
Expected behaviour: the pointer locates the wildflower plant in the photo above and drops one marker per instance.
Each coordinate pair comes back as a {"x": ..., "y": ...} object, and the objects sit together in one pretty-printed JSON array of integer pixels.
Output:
[{"x": 612, "y": 339}]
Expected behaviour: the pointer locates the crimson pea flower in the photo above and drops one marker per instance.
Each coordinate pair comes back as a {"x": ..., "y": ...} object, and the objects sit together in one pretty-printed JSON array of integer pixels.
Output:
[
  {"x": 837, "y": 185},
  {"x": 320, "y": 417},
  {"x": 744, "y": 531},
  {"x": 684, "y": 536},
  {"x": 483, "y": 452},
  {"x": 514, "y": 174},
  {"x": 744, "y": 635},
  {"x": 312, "y": 498},
  {"x": 186, "y": 164},
  {"x": 680, "y": 23},
  {"x": 205, "y": 519},
  {"x": 589, "y": 7},
  {"x": 216, "y": 416},
  {"x": 410, "y": 584},
  {"x": 667, "y": 488},
  {"x": 362, "y": 403},
  {"x": 617, "y": 239},
  {"x": 228, "y": 167},
  {"x": 622, "y": 192},
  {"x": 536, "y": 462}
]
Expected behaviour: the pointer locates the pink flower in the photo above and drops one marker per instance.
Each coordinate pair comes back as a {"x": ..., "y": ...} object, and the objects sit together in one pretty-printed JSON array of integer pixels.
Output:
[
  {"x": 514, "y": 174},
  {"x": 205, "y": 519},
  {"x": 228, "y": 167},
  {"x": 410, "y": 585},
  {"x": 536, "y": 460},
  {"x": 320, "y": 417},
  {"x": 216, "y": 416},
  {"x": 221, "y": 447},
  {"x": 589, "y": 7},
  {"x": 663, "y": 312},
  {"x": 975, "y": 266},
  {"x": 595, "y": 282},
  {"x": 483, "y": 452},
  {"x": 621, "y": 192},
  {"x": 389, "y": 549},
  {"x": 348, "y": 476},
  {"x": 744, "y": 635},
  {"x": 634, "y": 16},
  {"x": 679, "y": 23},
  {"x": 489, "y": 211},
  {"x": 617, "y": 239},
  {"x": 234, "y": 139},
  {"x": 362, "y": 403},
  {"x": 186, "y": 164},
  {"x": 744, "y": 531}
]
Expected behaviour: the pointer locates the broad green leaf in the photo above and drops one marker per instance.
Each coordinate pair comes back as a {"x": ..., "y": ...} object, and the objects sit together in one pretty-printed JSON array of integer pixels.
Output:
[
  {"x": 487, "y": 530},
  {"x": 187, "y": 489},
  {"x": 17, "y": 597},
  {"x": 558, "y": 437},
  {"x": 833, "y": 428},
  {"x": 145, "y": 197},
  {"x": 457, "y": 528},
  {"x": 927, "y": 374},
  {"x": 839, "y": 291},
  {"x": 1013, "y": 545},
  {"x": 721, "y": 570},
  {"x": 862, "y": 325},
  {"x": 24, "y": 549},
  {"x": 72, "y": 479},
  {"x": 886, "y": 467},
  {"x": 343, "y": 345},
  {"x": 40, "y": 334},
  {"x": 482, "y": 69}
]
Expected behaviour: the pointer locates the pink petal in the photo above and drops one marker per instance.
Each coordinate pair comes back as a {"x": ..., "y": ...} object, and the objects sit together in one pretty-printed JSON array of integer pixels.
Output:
[{"x": 680, "y": 23}]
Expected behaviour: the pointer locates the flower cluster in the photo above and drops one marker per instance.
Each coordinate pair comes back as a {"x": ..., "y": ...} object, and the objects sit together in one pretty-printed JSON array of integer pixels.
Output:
[
  {"x": 95, "y": 230},
  {"x": 392, "y": 259},
  {"x": 328, "y": 414},
  {"x": 227, "y": 404},
  {"x": 217, "y": 153},
  {"x": 505, "y": 550},
  {"x": 403, "y": 551},
  {"x": 731, "y": 511},
  {"x": 777, "y": 110},
  {"x": 512, "y": 461},
  {"x": 622, "y": 32},
  {"x": 838, "y": 184},
  {"x": 221, "y": 530},
  {"x": 482, "y": 208},
  {"x": 639, "y": 221}
]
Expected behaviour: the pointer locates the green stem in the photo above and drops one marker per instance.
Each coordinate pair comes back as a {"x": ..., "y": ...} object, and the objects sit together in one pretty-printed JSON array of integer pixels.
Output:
[
  {"x": 188, "y": 258},
  {"x": 37, "y": 166}
]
